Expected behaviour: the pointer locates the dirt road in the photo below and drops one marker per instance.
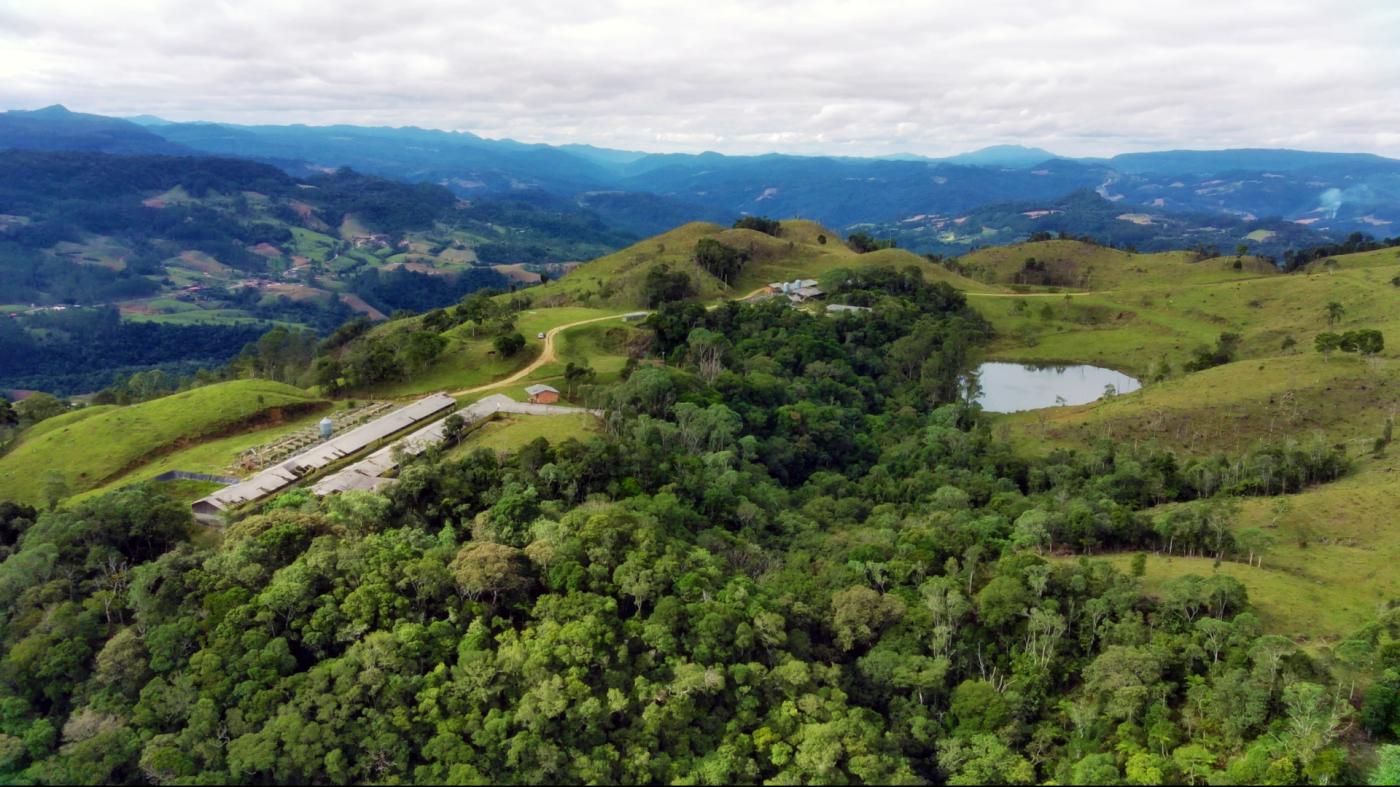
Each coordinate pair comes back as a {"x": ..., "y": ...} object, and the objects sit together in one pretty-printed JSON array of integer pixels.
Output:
[{"x": 546, "y": 356}]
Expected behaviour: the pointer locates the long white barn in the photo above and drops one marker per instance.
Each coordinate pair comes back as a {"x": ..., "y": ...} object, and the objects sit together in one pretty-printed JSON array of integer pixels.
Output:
[{"x": 289, "y": 471}]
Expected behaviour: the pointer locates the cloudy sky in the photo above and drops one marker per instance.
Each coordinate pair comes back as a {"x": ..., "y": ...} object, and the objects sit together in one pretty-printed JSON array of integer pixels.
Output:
[{"x": 840, "y": 78}]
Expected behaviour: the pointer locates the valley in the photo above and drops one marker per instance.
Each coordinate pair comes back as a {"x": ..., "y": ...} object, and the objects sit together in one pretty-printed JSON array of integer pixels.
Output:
[{"x": 1145, "y": 314}]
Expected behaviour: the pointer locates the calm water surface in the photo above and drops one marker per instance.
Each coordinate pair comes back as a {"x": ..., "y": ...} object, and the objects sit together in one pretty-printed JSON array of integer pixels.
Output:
[{"x": 1010, "y": 387}]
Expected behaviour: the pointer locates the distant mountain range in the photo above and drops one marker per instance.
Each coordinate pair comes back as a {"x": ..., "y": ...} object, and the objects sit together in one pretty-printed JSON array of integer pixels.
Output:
[{"x": 1229, "y": 195}]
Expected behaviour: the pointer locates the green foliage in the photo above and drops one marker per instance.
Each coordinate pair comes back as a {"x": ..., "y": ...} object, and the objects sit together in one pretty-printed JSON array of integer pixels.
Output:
[
  {"x": 1387, "y": 770},
  {"x": 39, "y": 406},
  {"x": 719, "y": 260},
  {"x": 796, "y": 554},
  {"x": 1366, "y": 342},
  {"x": 1226, "y": 347},
  {"x": 863, "y": 243},
  {"x": 761, "y": 224},
  {"x": 508, "y": 344},
  {"x": 665, "y": 286}
]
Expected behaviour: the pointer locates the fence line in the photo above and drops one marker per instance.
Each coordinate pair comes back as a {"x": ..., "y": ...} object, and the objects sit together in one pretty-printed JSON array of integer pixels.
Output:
[{"x": 183, "y": 475}]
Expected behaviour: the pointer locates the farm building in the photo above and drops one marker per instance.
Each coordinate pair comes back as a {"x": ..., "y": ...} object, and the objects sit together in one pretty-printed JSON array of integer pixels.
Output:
[
  {"x": 838, "y": 308},
  {"x": 542, "y": 394},
  {"x": 785, "y": 287},
  {"x": 368, "y": 473},
  {"x": 797, "y": 290},
  {"x": 284, "y": 474}
]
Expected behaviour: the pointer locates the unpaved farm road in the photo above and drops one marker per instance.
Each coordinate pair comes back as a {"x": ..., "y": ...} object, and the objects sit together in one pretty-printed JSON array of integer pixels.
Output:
[{"x": 546, "y": 356}]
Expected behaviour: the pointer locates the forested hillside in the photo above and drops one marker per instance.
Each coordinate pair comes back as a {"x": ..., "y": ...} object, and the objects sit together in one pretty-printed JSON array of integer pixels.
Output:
[
  {"x": 176, "y": 262},
  {"x": 796, "y": 555}
]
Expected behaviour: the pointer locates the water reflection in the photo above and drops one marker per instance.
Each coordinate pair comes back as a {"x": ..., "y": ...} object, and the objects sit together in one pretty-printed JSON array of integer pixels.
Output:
[{"x": 1011, "y": 387}]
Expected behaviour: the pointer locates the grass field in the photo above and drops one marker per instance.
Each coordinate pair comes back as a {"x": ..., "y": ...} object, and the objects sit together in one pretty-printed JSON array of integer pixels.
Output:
[
  {"x": 1076, "y": 265},
  {"x": 91, "y": 450},
  {"x": 214, "y": 456},
  {"x": 311, "y": 244},
  {"x": 471, "y": 361},
  {"x": 1228, "y": 408},
  {"x": 59, "y": 422},
  {"x": 511, "y": 433},
  {"x": 1148, "y": 319},
  {"x": 618, "y": 280},
  {"x": 1331, "y": 563}
]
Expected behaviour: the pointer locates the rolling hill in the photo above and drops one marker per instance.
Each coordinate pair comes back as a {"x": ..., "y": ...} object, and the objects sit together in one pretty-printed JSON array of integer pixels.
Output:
[
  {"x": 803, "y": 249},
  {"x": 90, "y": 447}
]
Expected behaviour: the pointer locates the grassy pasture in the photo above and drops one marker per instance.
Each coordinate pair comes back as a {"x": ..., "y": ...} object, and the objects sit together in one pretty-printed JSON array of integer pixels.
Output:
[
  {"x": 619, "y": 279},
  {"x": 91, "y": 450},
  {"x": 1144, "y": 321},
  {"x": 1331, "y": 563},
  {"x": 511, "y": 433},
  {"x": 1228, "y": 408}
]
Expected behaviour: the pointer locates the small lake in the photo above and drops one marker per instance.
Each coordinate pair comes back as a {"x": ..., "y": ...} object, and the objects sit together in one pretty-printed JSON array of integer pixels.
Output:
[{"x": 1011, "y": 387}]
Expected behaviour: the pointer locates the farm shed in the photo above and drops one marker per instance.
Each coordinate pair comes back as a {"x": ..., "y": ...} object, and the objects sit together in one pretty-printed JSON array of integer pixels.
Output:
[
  {"x": 542, "y": 394},
  {"x": 286, "y": 473}
]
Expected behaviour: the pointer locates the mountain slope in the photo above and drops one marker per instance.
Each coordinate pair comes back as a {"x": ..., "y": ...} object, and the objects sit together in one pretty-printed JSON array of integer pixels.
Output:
[
  {"x": 57, "y": 128},
  {"x": 804, "y": 249}
]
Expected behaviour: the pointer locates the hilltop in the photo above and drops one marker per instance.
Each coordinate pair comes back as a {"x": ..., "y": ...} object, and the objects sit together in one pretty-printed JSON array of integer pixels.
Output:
[{"x": 801, "y": 249}]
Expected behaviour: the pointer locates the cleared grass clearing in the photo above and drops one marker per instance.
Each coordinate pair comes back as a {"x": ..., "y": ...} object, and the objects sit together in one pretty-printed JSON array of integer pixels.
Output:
[
  {"x": 95, "y": 449},
  {"x": 1332, "y": 562},
  {"x": 1228, "y": 408},
  {"x": 1361, "y": 259},
  {"x": 1135, "y": 327},
  {"x": 215, "y": 456},
  {"x": 1299, "y": 607},
  {"x": 1085, "y": 266},
  {"x": 511, "y": 433},
  {"x": 311, "y": 244},
  {"x": 470, "y": 361},
  {"x": 600, "y": 346},
  {"x": 62, "y": 421}
]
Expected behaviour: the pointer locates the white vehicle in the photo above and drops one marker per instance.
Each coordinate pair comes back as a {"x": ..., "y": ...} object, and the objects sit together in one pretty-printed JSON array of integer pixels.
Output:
[{"x": 539, "y": 335}]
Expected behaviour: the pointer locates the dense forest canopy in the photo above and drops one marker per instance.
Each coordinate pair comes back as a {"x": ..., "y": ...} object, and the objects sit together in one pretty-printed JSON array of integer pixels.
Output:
[{"x": 797, "y": 554}]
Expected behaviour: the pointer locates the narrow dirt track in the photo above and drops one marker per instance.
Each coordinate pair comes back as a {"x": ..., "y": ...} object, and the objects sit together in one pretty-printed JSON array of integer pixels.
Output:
[{"x": 546, "y": 356}]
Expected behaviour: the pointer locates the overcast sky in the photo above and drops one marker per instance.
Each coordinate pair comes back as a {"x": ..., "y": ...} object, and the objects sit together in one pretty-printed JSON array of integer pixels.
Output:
[{"x": 847, "y": 78}]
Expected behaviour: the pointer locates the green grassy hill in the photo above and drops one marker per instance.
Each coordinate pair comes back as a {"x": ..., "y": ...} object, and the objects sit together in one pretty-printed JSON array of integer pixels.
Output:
[
  {"x": 1231, "y": 408},
  {"x": 108, "y": 442},
  {"x": 804, "y": 249},
  {"x": 1151, "y": 317},
  {"x": 1330, "y": 564},
  {"x": 1072, "y": 264}
]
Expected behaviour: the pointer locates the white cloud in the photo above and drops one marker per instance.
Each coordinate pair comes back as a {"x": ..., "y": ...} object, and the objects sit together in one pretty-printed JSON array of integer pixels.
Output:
[{"x": 827, "y": 77}]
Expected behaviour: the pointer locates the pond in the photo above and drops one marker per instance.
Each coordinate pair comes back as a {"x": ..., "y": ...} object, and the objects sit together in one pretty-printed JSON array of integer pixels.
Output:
[{"x": 1012, "y": 387}]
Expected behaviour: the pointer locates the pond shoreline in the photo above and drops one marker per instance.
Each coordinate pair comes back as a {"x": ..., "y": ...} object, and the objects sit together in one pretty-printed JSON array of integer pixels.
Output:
[{"x": 1010, "y": 387}]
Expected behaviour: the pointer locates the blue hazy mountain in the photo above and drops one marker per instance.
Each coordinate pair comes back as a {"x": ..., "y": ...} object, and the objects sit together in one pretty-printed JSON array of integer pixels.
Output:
[
  {"x": 646, "y": 193},
  {"x": 57, "y": 128}
]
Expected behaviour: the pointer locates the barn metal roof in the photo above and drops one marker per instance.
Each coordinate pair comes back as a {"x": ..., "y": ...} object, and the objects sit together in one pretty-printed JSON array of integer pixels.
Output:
[{"x": 287, "y": 472}]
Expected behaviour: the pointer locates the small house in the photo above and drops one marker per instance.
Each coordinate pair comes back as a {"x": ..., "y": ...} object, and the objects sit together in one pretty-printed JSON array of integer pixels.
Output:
[{"x": 542, "y": 394}]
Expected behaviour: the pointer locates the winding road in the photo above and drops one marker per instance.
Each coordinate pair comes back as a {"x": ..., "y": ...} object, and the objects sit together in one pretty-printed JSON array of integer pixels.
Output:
[{"x": 546, "y": 356}]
